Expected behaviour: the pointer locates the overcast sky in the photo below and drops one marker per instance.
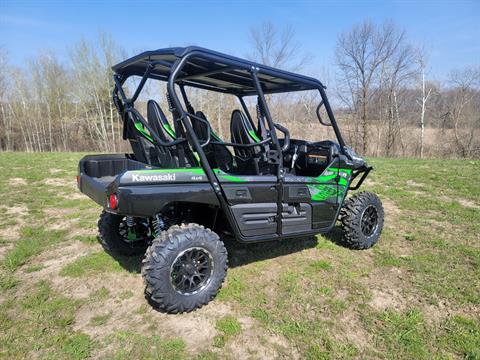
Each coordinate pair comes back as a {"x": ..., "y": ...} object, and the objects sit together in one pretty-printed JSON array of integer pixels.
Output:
[{"x": 448, "y": 30}]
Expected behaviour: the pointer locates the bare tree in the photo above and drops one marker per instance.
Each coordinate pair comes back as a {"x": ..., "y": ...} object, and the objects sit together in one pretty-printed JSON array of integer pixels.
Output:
[
  {"x": 463, "y": 109},
  {"x": 5, "y": 130},
  {"x": 277, "y": 48},
  {"x": 422, "y": 102},
  {"x": 93, "y": 85},
  {"x": 360, "y": 54}
]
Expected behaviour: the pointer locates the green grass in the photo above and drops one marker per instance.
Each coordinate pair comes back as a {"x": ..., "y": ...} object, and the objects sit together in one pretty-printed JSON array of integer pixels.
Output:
[
  {"x": 130, "y": 345},
  {"x": 41, "y": 321},
  {"x": 78, "y": 346},
  {"x": 416, "y": 295},
  {"x": 228, "y": 327},
  {"x": 91, "y": 264},
  {"x": 34, "y": 268},
  {"x": 100, "y": 320},
  {"x": 461, "y": 335},
  {"x": 320, "y": 265},
  {"x": 33, "y": 241}
]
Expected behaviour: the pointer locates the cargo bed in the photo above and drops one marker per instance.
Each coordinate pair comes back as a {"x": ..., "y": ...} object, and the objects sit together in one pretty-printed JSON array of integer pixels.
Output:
[
  {"x": 142, "y": 190},
  {"x": 97, "y": 172}
]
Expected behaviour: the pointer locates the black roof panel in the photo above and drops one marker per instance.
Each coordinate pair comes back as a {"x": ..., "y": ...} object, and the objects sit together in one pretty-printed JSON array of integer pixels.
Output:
[{"x": 215, "y": 71}]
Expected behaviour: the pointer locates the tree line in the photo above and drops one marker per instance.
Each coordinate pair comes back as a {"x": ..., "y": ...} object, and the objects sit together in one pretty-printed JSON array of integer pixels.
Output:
[{"x": 384, "y": 101}]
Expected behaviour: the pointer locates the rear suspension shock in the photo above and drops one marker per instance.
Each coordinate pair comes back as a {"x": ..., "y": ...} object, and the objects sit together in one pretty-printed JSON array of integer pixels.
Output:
[
  {"x": 130, "y": 221},
  {"x": 159, "y": 224}
]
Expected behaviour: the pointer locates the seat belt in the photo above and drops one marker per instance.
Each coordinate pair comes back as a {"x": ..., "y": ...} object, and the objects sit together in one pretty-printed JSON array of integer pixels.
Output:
[
  {"x": 178, "y": 131},
  {"x": 261, "y": 125},
  {"x": 261, "y": 121}
]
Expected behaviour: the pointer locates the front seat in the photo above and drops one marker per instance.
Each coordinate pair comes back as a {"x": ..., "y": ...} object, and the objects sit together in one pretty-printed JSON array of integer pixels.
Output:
[
  {"x": 218, "y": 155},
  {"x": 250, "y": 160}
]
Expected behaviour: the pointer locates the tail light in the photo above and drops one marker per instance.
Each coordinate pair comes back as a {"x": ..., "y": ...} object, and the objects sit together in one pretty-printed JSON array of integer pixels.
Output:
[{"x": 113, "y": 201}]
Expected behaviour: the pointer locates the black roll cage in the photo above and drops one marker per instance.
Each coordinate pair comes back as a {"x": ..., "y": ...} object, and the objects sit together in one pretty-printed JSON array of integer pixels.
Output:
[
  {"x": 176, "y": 67},
  {"x": 125, "y": 106}
]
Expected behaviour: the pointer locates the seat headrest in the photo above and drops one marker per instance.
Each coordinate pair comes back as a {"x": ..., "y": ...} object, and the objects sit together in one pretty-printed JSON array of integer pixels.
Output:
[
  {"x": 200, "y": 128},
  {"x": 158, "y": 121},
  {"x": 242, "y": 128}
]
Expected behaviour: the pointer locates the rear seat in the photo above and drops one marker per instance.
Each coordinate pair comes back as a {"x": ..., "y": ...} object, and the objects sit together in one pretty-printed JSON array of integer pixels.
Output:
[{"x": 218, "y": 155}]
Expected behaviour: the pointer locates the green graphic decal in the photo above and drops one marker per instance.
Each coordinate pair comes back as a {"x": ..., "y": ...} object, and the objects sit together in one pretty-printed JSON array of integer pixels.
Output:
[
  {"x": 334, "y": 184},
  {"x": 196, "y": 171},
  {"x": 253, "y": 135},
  {"x": 169, "y": 130},
  {"x": 228, "y": 178},
  {"x": 322, "y": 192},
  {"x": 143, "y": 131}
]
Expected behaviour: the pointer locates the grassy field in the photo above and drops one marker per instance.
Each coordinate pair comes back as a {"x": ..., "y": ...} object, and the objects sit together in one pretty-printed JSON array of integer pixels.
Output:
[{"x": 415, "y": 295}]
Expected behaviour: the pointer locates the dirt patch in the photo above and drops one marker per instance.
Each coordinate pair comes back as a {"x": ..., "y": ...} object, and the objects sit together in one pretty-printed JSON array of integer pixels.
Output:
[
  {"x": 383, "y": 299},
  {"x": 18, "y": 212},
  {"x": 54, "y": 171},
  {"x": 17, "y": 182},
  {"x": 75, "y": 196},
  {"x": 4, "y": 249},
  {"x": 386, "y": 289},
  {"x": 437, "y": 313},
  {"x": 58, "y": 212},
  {"x": 370, "y": 183},
  {"x": 54, "y": 260},
  {"x": 352, "y": 328},
  {"x": 10, "y": 233},
  {"x": 468, "y": 204},
  {"x": 389, "y": 207},
  {"x": 255, "y": 343},
  {"x": 413, "y": 183},
  {"x": 391, "y": 213},
  {"x": 62, "y": 221},
  {"x": 59, "y": 182},
  {"x": 197, "y": 329}
]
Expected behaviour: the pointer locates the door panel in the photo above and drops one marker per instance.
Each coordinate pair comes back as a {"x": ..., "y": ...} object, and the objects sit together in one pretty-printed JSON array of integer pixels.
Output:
[
  {"x": 256, "y": 219},
  {"x": 254, "y": 205},
  {"x": 322, "y": 196},
  {"x": 296, "y": 217}
]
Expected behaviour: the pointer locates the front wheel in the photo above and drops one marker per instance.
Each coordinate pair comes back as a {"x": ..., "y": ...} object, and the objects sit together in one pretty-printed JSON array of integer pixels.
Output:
[
  {"x": 184, "y": 268},
  {"x": 362, "y": 220}
]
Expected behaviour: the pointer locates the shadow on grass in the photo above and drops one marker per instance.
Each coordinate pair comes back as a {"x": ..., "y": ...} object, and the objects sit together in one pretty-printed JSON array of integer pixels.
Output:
[
  {"x": 132, "y": 264},
  {"x": 243, "y": 254}
]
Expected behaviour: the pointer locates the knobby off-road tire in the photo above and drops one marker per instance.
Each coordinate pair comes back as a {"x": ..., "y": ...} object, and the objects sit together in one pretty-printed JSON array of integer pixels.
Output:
[
  {"x": 109, "y": 229},
  {"x": 362, "y": 220},
  {"x": 184, "y": 268}
]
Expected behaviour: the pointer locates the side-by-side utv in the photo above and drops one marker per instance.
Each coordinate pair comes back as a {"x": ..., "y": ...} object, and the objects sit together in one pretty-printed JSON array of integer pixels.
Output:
[{"x": 183, "y": 189}]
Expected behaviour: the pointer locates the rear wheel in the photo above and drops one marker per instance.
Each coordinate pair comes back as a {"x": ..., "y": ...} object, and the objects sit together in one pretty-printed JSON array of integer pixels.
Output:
[
  {"x": 184, "y": 268},
  {"x": 117, "y": 236},
  {"x": 362, "y": 220}
]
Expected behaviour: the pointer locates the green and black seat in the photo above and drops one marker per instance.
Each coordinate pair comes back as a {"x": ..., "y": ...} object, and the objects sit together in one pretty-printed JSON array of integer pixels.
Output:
[
  {"x": 218, "y": 155},
  {"x": 157, "y": 119},
  {"x": 250, "y": 160},
  {"x": 169, "y": 157}
]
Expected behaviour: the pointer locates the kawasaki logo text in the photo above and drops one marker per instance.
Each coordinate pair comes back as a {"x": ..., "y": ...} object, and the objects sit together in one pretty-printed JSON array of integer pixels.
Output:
[{"x": 146, "y": 178}]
